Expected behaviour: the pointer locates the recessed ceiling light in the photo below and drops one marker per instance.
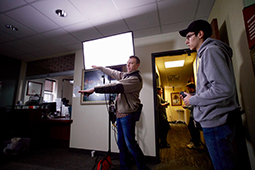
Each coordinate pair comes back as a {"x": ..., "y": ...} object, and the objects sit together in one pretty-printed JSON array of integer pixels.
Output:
[
  {"x": 11, "y": 27},
  {"x": 61, "y": 13},
  {"x": 171, "y": 64}
]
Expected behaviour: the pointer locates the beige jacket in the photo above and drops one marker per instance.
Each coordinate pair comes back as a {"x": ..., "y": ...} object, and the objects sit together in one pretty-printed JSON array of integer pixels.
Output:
[{"x": 128, "y": 88}]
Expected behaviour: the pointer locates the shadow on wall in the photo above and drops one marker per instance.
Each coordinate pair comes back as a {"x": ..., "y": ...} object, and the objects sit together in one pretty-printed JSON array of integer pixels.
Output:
[
  {"x": 247, "y": 83},
  {"x": 142, "y": 132}
]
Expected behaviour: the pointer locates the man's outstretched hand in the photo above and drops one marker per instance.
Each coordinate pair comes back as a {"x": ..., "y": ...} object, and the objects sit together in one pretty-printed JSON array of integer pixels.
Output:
[
  {"x": 96, "y": 67},
  {"x": 87, "y": 92}
]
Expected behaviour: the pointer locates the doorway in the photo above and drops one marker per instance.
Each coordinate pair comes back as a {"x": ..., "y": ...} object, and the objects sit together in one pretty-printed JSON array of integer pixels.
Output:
[{"x": 172, "y": 80}]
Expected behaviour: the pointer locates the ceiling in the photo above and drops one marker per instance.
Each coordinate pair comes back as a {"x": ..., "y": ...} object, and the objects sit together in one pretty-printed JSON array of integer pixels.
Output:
[
  {"x": 176, "y": 77},
  {"x": 42, "y": 33}
]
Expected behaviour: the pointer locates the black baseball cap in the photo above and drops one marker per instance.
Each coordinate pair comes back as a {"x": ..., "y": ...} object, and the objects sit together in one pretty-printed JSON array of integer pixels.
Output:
[{"x": 198, "y": 25}]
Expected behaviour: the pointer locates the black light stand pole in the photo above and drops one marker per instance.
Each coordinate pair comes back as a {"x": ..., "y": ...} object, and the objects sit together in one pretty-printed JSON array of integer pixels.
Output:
[
  {"x": 109, "y": 123},
  {"x": 109, "y": 126},
  {"x": 111, "y": 117},
  {"x": 111, "y": 113}
]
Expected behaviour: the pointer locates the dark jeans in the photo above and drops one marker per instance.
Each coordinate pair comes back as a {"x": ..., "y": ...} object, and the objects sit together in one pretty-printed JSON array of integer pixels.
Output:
[
  {"x": 194, "y": 132},
  {"x": 219, "y": 143},
  {"x": 127, "y": 142}
]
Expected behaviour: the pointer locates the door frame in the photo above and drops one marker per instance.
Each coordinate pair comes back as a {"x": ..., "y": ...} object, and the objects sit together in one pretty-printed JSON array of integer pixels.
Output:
[{"x": 153, "y": 56}]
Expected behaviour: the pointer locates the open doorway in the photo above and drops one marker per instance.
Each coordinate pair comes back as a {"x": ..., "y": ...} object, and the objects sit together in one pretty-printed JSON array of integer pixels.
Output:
[{"x": 172, "y": 81}]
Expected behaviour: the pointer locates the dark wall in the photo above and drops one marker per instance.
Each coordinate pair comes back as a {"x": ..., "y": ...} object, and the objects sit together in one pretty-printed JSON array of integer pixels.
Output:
[
  {"x": 9, "y": 77},
  {"x": 51, "y": 65}
]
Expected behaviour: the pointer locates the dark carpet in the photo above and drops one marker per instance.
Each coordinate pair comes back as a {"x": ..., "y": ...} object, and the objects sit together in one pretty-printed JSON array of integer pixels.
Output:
[{"x": 178, "y": 157}]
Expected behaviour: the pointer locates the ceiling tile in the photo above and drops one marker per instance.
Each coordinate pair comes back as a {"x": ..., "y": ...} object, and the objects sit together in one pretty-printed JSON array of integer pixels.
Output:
[
  {"x": 65, "y": 39},
  {"x": 74, "y": 47},
  {"x": 141, "y": 17},
  {"x": 48, "y": 45},
  {"x": 113, "y": 28},
  {"x": 23, "y": 46},
  {"x": 48, "y": 8},
  {"x": 5, "y": 37},
  {"x": 111, "y": 17},
  {"x": 57, "y": 50},
  {"x": 29, "y": 1},
  {"x": 40, "y": 54},
  {"x": 91, "y": 9},
  {"x": 61, "y": 37},
  {"x": 25, "y": 57},
  {"x": 124, "y": 4},
  {"x": 129, "y": 13},
  {"x": 87, "y": 34},
  {"x": 30, "y": 16},
  {"x": 78, "y": 26},
  {"x": 23, "y": 31},
  {"x": 54, "y": 33},
  {"x": 37, "y": 40},
  {"x": 147, "y": 32},
  {"x": 6, "y": 5},
  {"x": 204, "y": 8},
  {"x": 10, "y": 51},
  {"x": 176, "y": 27},
  {"x": 177, "y": 11}
]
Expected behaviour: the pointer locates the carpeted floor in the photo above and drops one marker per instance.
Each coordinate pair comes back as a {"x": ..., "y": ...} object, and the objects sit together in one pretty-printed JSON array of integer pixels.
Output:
[{"x": 178, "y": 157}]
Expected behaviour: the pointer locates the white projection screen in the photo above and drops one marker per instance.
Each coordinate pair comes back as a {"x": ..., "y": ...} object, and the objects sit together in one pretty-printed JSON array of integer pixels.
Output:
[{"x": 108, "y": 51}]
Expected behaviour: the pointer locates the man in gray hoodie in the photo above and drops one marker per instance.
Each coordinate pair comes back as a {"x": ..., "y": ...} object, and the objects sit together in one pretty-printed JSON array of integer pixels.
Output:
[{"x": 215, "y": 101}]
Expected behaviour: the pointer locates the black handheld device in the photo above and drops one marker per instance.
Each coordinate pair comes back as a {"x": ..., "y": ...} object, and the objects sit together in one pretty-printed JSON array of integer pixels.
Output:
[{"x": 183, "y": 95}]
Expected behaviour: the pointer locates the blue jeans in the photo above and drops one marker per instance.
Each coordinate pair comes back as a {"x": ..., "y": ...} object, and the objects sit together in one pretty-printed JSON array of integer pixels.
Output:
[
  {"x": 219, "y": 143},
  {"x": 127, "y": 142}
]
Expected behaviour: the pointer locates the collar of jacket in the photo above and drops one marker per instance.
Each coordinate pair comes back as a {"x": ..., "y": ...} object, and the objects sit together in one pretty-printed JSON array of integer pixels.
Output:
[{"x": 133, "y": 72}]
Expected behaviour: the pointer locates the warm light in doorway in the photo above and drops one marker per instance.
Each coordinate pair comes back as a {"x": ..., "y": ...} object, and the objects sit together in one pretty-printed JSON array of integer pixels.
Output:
[{"x": 171, "y": 64}]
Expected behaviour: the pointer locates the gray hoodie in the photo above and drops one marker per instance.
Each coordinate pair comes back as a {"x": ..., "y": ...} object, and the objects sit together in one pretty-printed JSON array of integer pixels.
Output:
[{"x": 216, "y": 90}]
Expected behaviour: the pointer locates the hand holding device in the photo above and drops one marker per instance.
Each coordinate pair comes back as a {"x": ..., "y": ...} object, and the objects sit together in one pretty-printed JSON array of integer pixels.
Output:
[{"x": 183, "y": 95}]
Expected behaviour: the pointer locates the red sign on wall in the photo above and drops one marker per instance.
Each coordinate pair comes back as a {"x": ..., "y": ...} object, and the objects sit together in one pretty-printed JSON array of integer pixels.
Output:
[{"x": 249, "y": 21}]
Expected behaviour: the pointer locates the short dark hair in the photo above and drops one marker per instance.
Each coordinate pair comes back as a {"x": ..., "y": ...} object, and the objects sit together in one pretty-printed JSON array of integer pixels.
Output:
[
  {"x": 137, "y": 59},
  {"x": 196, "y": 26},
  {"x": 191, "y": 85},
  {"x": 158, "y": 88}
]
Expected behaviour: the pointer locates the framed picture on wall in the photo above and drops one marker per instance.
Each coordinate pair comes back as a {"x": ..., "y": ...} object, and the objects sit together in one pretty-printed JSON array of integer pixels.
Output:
[
  {"x": 34, "y": 88},
  {"x": 92, "y": 78},
  {"x": 175, "y": 99}
]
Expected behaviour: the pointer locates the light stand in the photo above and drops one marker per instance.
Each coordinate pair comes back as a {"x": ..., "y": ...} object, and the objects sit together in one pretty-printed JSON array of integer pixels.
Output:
[
  {"x": 111, "y": 115},
  {"x": 112, "y": 118}
]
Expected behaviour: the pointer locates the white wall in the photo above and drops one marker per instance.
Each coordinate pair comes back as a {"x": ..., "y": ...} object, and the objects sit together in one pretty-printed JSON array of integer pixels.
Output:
[
  {"x": 230, "y": 12},
  {"x": 89, "y": 129}
]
